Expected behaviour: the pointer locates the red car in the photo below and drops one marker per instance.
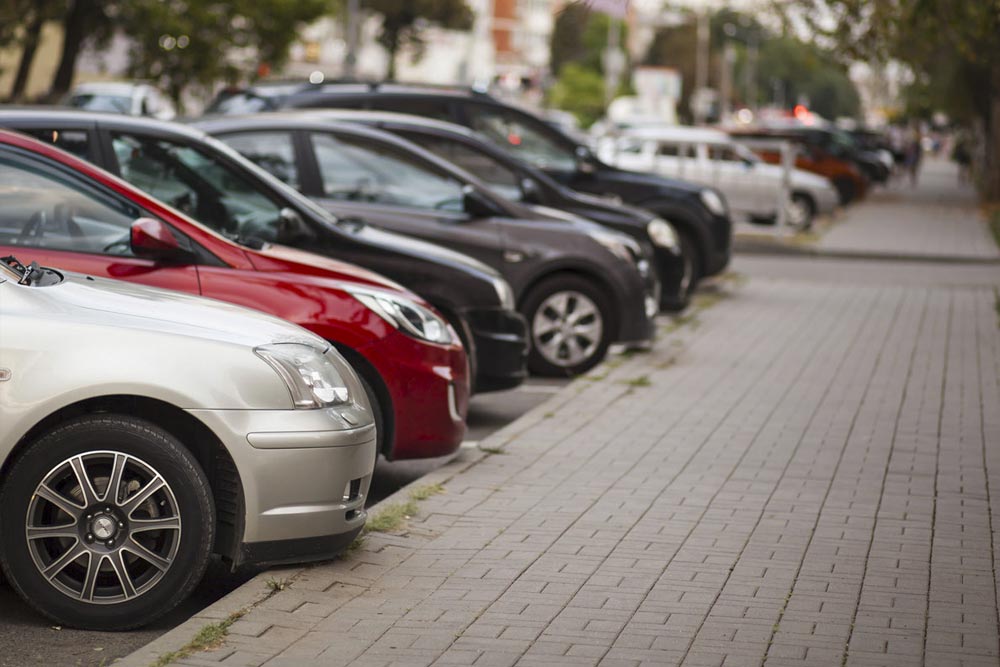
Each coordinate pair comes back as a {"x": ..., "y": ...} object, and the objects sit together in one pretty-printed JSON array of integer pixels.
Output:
[{"x": 63, "y": 212}]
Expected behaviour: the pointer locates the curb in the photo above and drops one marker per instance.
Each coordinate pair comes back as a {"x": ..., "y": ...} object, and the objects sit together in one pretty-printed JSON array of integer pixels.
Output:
[{"x": 759, "y": 247}]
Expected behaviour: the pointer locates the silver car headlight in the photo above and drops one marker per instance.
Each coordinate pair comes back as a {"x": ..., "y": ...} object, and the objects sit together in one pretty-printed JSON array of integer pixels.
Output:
[
  {"x": 505, "y": 293},
  {"x": 617, "y": 245},
  {"x": 713, "y": 201},
  {"x": 406, "y": 315},
  {"x": 311, "y": 378},
  {"x": 663, "y": 234}
]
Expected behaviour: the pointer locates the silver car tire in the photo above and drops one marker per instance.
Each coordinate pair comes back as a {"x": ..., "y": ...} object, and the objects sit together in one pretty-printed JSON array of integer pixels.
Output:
[
  {"x": 108, "y": 522},
  {"x": 571, "y": 326},
  {"x": 800, "y": 211}
]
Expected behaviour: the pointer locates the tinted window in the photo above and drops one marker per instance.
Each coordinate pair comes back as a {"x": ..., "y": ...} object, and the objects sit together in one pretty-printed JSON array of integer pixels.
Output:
[
  {"x": 98, "y": 102},
  {"x": 437, "y": 109},
  {"x": 724, "y": 153},
  {"x": 76, "y": 142},
  {"x": 502, "y": 179},
  {"x": 528, "y": 142},
  {"x": 42, "y": 207},
  {"x": 199, "y": 184},
  {"x": 271, "y": 150},
  {"x": 353, "y": 170}
]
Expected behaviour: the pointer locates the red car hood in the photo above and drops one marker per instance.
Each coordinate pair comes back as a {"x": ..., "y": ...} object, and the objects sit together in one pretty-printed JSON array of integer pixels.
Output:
[{"x": 273, "y": 257}]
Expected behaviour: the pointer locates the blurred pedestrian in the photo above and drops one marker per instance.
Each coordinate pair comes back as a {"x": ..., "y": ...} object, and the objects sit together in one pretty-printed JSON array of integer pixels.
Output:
[
  {"x": 961, "y": 153},
  {"x": 914, "y": 154}
]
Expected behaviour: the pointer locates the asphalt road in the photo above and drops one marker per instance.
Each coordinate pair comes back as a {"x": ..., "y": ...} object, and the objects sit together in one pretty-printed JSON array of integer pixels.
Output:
[{"x": 27, "y": 638}]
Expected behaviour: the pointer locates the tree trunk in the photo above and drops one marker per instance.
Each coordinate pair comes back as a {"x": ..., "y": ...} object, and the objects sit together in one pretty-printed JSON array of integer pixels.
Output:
[
  {"x": 31, "y": 35},
  {"x": 75, "y": 28},
  {"x": 392, "y": 47},
  {"x": 991, "y": 168}
]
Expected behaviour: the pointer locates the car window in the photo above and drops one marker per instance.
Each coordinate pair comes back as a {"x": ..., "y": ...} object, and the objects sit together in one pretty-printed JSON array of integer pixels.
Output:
[
  {"x": 503, "y": 180},
  {"x": 437, "y": 109},
  {"x": 76, "y": 142},
  {"x": 533, "y": 145},
  {"x": 199, "y": 184},
  {"x": 99, "y": 102},
  {"x": 271, "y": 150},
  {"x": 355, "y": 170},
  {"x": 41, "y": 207},
  {"x": 675, "y": 150},
  {"x": 724, "y": 153}
]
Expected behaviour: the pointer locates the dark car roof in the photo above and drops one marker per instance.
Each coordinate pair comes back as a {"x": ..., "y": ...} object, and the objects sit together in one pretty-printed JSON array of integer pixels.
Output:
[{"x": 81, "y": 117}]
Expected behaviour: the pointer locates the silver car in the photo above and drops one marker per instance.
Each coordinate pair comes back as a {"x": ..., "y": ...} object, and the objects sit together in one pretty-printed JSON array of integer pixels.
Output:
[{"x": 141, "y": 430}]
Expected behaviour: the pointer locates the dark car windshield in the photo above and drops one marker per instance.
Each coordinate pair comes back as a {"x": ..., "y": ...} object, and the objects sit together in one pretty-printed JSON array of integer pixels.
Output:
[{"x": 99, "y": 102}]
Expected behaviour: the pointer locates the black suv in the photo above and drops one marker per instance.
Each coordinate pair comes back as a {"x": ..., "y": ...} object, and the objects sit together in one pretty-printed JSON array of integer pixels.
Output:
[{"x": 699, "y": 214}]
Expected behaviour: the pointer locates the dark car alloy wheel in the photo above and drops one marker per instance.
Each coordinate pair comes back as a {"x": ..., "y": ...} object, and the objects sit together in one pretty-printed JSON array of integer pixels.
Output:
[
  {"x": 115, "y": 533},
  {"x": 570, "y": 326}
]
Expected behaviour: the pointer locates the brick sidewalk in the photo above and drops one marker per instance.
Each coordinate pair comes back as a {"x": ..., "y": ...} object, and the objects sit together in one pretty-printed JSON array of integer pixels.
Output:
[
  {"x": 805, "y": 473},
  {"x": 936, "y": 218}
]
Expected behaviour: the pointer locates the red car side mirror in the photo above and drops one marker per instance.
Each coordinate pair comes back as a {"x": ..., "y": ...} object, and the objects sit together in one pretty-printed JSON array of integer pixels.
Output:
[{"x": 152, "y": 239}]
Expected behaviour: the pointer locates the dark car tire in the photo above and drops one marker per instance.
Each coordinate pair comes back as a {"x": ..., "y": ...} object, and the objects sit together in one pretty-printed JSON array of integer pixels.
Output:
[
  {"x": 147, "y": 453},
  {"x": 689, "y": 248},
  {"x": 846, "y": 190},
  {"x": 377, "y": 415},
  {"x": 578, "y": 291},
  {"x": 673, "y": 303}
]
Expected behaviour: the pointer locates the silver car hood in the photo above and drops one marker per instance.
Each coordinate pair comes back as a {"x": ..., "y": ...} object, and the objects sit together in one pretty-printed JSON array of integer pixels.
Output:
[{"x": 115, "y": 304}]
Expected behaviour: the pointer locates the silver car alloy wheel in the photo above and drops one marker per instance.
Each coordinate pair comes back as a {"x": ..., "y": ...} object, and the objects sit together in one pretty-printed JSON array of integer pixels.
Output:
[
  {"x": 103, "y": 527},
  {"x": 797, "y": 211},
  {"x": 567, "y": 328}
]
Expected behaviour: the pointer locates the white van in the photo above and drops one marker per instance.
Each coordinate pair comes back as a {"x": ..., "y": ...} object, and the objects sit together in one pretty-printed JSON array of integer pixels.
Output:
[{"x": 752, "y": 187}]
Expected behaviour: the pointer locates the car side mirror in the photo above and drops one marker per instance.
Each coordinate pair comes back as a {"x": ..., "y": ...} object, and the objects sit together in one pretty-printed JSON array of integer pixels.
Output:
[
  {"x": 153, "y": 239},
  {"x": 530, "y": 192},
  {"x": 291, "y": 225},
  {"x": 585, "y": 160},
  {"x": 476, "y": 204}
]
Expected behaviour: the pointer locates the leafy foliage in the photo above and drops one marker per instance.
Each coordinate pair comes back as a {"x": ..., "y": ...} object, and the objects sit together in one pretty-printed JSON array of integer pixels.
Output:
[{"x": 404, "y": 21}]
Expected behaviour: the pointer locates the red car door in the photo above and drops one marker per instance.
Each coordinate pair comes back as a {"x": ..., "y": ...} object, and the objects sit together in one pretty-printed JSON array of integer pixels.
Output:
[{"x": 51, "y": 216}]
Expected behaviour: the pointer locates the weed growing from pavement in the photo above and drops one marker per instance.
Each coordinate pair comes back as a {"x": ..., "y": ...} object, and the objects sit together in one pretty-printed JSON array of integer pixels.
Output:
[
  {"x": 209, "y": 637},
  {"x": 641, "y": 381},
  {"x": 390, "y": 517},
  {"x": 276, "y": 585},
  {"x": 492, "y": 450},
  {"x": 426, "y": 491},
  {"x": 996, "y": 304},
  {"x": 994, "y": 224}
]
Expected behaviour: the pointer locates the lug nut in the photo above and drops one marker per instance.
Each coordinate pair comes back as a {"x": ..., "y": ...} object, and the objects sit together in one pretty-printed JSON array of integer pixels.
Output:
[
  {"x": 90, "y": 538},
  {"x": 121, "y": 524},
  {"x": 109, "y": 543}
]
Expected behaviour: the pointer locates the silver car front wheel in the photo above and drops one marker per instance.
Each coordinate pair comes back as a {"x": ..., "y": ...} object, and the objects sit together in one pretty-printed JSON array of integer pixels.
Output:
[
  {"x": 103, "y": 527},
  {"x": 109, "y": 522}
]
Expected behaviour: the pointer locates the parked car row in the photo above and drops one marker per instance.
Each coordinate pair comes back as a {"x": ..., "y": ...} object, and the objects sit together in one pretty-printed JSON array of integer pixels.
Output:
[{"x": 394, "y": 265}]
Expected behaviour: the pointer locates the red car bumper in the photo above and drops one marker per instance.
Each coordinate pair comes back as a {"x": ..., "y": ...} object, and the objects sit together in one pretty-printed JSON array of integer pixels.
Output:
[{"x": 428, "y": 386}]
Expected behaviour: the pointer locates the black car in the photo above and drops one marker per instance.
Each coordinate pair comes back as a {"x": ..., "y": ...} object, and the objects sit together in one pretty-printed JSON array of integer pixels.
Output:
[
  {"x": 580, "y": 286},
  {"x": 698, "y": 213},
  {"x": 521, "y": 182},
  {"x": 476, "y": 299}
]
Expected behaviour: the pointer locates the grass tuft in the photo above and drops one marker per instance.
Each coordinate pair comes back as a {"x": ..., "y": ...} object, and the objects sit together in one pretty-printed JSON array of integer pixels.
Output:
[
  {"x": 276, "y": 585},
  {"x": 641, "y": 381},
  {"x": 994, "y": 225},
  {"x": 492, "y": 450},
  {"x": 426, "y": 491},
  {"x": 391, "y": 517},
  {"x": 209, "y": 637}
]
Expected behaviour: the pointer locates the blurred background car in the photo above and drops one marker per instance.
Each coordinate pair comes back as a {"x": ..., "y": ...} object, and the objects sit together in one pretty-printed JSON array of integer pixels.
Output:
[
  {"x": 698, "y": 213},
  {"x": 66, "y": 213},
  {"x": 580, "y": 286},
  {"x": 521, "y": 182},
  {"x": 142, "y": 430},
  {"x": 753, "y": 188},
  {"x": 218, "y": 187},
  {"x": 131, "y": 99}
]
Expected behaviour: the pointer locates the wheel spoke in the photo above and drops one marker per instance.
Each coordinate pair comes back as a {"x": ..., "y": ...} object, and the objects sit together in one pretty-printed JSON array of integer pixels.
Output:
[
  {"x": 558, "y": 304},
  {"x": 90, "y": 581},
  {"x": 60, "y": 563},
  {"x": 115, "y": 480},
  {"x": 59, "y": 500},
  {"x": 86, "y": 487},
  {"x": 583, "y": 310},
  {"x": 142, "y": 495},
  {"x": 41, "y": 532},
  {"x": 590, "y": 331},
  {"x": 145, "y": 525},
  {"x": 545, "y": 326},
  {"x": 574, "y": 352},
  {"x": 121, "y": 571},
  {"x": 142, "y": 552}
]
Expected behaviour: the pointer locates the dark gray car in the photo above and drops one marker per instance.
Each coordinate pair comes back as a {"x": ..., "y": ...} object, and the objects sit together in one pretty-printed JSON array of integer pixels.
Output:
[{"x": 580, "y": 286}]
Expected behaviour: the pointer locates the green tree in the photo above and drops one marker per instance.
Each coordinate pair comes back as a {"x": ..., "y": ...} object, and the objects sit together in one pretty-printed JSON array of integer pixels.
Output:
[
  {"x": 404, "y": 21},
  {"x": 952, "y": 47},
  {"x": 192, "y": 45},
  {"x": 804, "y": 71},
  {"x": 579, "y": 90}
]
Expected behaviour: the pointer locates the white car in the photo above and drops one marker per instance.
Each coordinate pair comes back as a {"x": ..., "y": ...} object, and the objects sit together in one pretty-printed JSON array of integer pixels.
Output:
[
  {"x": 752, "y": 187},
  {"x": 141, "y": 430},
  {"x": 130, "y": 99}
]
